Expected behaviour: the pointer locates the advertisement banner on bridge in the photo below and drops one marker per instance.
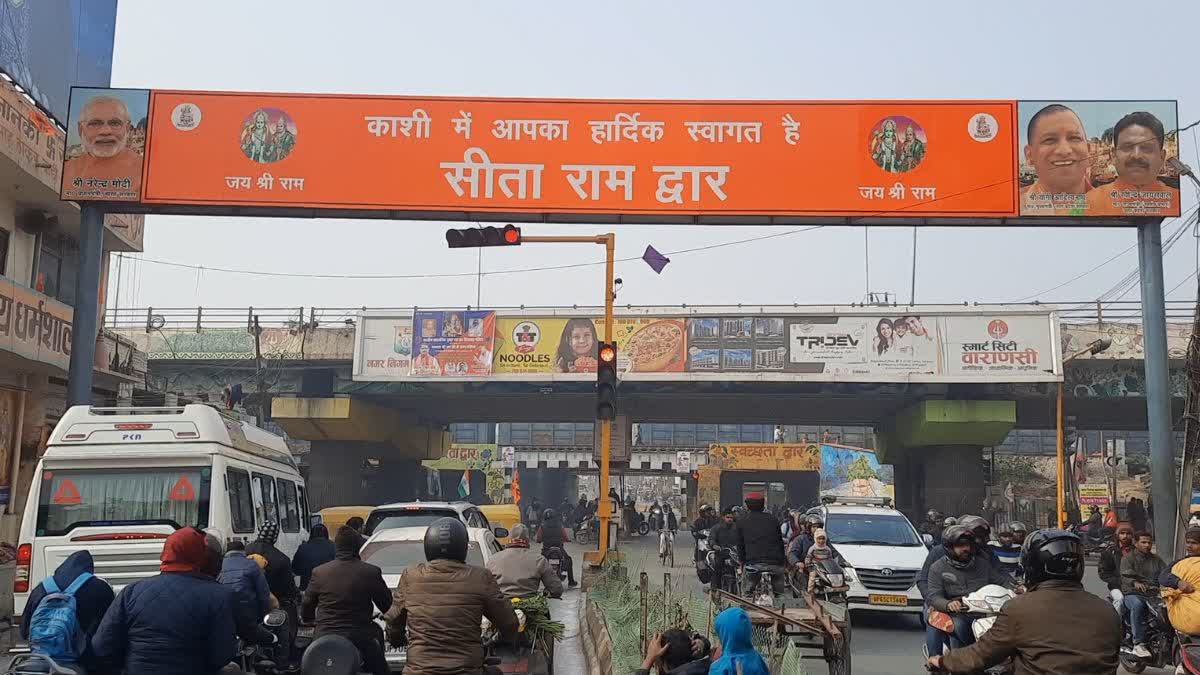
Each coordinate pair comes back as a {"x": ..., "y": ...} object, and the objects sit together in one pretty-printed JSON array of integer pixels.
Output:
[
  {"x": 452, "y": 344},
  {"x": 920, "y": 346},
  {"x": 441, "y": 157}
]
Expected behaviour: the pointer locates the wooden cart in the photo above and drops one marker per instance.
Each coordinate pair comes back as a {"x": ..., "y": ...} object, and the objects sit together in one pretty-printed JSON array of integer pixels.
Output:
[{"x": 822, "y": 629}]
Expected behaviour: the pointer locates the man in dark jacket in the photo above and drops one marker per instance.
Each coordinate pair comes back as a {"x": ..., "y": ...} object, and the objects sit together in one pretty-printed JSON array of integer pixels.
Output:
[
  {"x": 1031, "y": 629},
  {"x": 724, "y": 533},
  {"x": 960, "y": 573},
  {"x": 674, "y": 652},
  {"x": 1109, "y": 568},
  {"x": 180, "y": 622},
  {"x": 313, "y": 553},
  {"x": 341, "y": 594},
  {"x": 252, "y": 599},
  {"x": 280, "y": 578},
  {"x": 442, "y": 602},
  {"x": 552, "y": 535},
  {"x": 760, "y": 544},
  {"x": 1140, "y": 571},
  {"x": 91, "y": 600}
]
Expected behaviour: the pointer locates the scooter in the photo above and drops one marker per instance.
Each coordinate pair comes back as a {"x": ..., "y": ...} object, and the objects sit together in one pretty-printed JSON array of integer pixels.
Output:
[
  {"x": 523, "y": 656},
  {"x": 638, "y": 523},
  {"x": 585, "y": 530},
  {"x": 983, "y": 606},
  {"x": 829, "y": 582}
]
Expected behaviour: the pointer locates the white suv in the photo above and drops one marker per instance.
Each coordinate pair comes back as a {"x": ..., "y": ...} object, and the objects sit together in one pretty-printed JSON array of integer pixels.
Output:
[{"x": 884, "y": 549}]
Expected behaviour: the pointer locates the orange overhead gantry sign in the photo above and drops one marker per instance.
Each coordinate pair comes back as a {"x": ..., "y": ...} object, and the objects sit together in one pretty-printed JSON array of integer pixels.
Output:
[{"x": 643, "y": 161}]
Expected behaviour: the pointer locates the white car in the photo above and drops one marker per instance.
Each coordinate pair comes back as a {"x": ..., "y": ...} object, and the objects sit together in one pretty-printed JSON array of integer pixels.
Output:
[
  {"x": 422, "y": 515},
  {"x": 883, "y": 548},
  {"x": 395, "y": 549}
]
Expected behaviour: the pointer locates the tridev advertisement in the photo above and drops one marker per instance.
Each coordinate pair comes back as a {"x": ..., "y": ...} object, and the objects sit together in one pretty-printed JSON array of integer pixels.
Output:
[{"x": 846, "y": 347}]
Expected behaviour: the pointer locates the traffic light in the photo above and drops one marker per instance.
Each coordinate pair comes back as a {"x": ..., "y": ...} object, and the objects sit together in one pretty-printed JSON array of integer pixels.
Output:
[
  {"x": 476, "y": 237},
  {"x": 606, "y": 381},
  {"x": 1070, "y": 433}
]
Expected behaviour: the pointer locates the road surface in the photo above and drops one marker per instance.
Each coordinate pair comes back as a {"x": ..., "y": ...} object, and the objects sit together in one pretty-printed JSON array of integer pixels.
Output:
[{"x": 882, "y": 643}]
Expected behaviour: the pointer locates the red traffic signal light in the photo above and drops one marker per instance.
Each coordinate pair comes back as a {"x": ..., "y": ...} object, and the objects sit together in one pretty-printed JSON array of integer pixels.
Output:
[
  {"x": 477, "y": 237},
  {"x": 607, "y": 353}
]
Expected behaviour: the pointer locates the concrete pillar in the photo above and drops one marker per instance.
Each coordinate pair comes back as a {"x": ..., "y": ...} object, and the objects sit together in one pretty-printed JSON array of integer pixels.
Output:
[{"x": 953, "y": 479}]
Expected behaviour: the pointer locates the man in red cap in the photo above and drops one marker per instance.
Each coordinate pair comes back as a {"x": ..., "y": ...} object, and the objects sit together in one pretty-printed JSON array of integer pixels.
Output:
[
  {"x": 760, "y": 544},
  {"x": 180, "y": 622}
]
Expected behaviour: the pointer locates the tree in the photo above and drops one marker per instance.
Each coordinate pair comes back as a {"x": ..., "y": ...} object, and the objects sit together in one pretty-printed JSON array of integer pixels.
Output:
[{"x": 861, "y": 470}]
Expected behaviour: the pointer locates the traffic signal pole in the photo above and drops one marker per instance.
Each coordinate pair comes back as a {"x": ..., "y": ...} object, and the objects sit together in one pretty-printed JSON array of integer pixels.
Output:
[{"x": 609, "y": 242}]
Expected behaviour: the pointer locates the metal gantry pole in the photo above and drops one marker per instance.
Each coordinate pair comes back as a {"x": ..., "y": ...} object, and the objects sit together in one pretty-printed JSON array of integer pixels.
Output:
[
  {"x": 87, "y": 306},
  {"x": 1158, "y": 383}
]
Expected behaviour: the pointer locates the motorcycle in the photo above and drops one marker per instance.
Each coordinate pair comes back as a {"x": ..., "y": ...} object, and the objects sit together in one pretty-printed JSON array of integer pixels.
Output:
[
  {"x": 703, "y": 571},
  {"x": 28, "y": 663},
  {"x": 554, "y": 555},
  {"x": 982, "y": 606},
  {"x": 829, "y": 581},
  {"x": 656, "y": 518},
  {"x": 585, "y": 530},
  {"x": 763, "y": 583},
  {"x": 331, "y": 655},
  {"x": 638, "y": 523},
  {"x": 1161, "y": 640},
  {"x": 723, "y": 561},
  {"x": 523, "y": 656},
  {"x": 267, "y": 659}
]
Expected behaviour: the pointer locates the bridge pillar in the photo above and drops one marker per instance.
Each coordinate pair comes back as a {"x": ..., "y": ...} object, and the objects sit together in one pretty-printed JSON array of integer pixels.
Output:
[
  {"x": 936, "y": 448},
  {"x": 348, "y": 473},
  {"x": 356, "y": 420}
]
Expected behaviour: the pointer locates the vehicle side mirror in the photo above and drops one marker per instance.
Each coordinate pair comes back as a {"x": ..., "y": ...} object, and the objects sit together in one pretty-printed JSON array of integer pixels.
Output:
[
  {"x": 500, "y": 532},
  {"x": 276, "y": 618},
  {"x": 928, "y": 539}
]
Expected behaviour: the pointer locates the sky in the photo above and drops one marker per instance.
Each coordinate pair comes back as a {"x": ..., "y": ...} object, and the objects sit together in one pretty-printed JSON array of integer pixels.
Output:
[{"x": 694, "y": 49}]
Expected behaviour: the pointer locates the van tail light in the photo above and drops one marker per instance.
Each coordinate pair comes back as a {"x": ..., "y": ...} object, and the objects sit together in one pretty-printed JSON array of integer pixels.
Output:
[{"x": 21, "y": 576}]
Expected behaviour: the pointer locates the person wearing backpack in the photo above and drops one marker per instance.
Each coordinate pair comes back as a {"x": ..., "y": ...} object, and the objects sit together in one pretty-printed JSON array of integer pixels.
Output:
[{"x": 64, "y": 611}]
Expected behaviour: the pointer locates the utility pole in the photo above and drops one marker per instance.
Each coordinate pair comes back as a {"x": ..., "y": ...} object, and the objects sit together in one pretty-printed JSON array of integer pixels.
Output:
[
  {"x": 87, "y": 306},
  {"x": 1158, "y": 381},
  {"x": 259, "y": 373}
]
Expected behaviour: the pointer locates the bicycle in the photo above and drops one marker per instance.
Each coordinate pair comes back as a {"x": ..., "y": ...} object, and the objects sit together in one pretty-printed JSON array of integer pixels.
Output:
[{"x": 666, "y": 547}]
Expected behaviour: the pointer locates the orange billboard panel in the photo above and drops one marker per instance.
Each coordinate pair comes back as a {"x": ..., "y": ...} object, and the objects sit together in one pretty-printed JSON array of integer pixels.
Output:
[{"x": 904, "y": 158}]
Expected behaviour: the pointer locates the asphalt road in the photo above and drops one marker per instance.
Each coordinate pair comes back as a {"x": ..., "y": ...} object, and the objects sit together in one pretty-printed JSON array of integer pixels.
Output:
[{"x": 882, "y": 643}]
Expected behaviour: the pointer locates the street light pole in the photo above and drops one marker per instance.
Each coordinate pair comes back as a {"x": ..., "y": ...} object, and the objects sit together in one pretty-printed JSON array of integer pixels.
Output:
[{"x": 1093, "y": 348}]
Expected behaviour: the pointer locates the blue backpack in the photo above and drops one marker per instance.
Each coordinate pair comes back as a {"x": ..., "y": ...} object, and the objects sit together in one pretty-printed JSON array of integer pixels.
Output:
[{"x": 54, "y": 630}]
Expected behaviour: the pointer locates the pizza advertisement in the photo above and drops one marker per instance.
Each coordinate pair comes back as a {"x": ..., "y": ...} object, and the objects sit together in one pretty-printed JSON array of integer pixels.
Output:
[{"x": 650, "y": 345}]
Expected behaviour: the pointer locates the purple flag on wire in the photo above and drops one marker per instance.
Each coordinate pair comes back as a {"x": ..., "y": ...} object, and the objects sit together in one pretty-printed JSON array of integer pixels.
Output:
[{"x": 655, "y": 260}]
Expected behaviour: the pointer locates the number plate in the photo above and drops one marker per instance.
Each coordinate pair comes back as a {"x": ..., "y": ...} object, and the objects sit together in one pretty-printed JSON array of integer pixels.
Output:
[
  {"x": 894, "y": 600},
  {"x": 305, "y": 631}
]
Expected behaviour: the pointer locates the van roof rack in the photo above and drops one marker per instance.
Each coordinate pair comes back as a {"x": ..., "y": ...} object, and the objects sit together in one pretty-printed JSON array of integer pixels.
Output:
[{"x": 885, "y": 502}]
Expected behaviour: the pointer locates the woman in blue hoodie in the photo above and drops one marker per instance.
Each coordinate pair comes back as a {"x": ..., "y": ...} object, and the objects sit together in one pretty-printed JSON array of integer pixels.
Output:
[
  {"x": 91, "y": 600},
  {"x": 734, "y": 631}
]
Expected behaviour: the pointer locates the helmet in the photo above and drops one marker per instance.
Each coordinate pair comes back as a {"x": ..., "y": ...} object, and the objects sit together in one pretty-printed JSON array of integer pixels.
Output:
[
  {"x": 814, "y": 520},
  {"x": 705, "y": 508},
  {"x": 1017, "y": 526},
  {"x": 755, "y": 501},
  {"x": 446, "y": 539},
  {"x": 953, "y": 536},
  {"x": 549, "y": 514},
  {"x": 975, "y": 524},
  {"x": 950, "y": 520},
  {"x": 932, "y": 515},
  {"x": 1052, "y": 554}
]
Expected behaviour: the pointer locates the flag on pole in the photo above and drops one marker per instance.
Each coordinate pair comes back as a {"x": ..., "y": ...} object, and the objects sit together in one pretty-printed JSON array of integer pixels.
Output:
[
  {"x": 464, "y": 485},
  {"x": 516, "y": 487}
]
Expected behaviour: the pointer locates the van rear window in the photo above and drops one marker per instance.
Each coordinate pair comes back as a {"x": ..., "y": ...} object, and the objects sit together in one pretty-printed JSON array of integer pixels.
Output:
[{"x": 71, "y": 498}]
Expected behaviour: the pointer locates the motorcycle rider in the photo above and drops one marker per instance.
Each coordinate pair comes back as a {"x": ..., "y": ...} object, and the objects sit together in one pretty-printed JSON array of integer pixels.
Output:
[
  {"x": 552, "y": 534},
  {"x": 520, "y": 571},
  {"x": 1169, "y": 579},
  {"x": 180, "y": 622},
  {"x": 759, "y": 543},
  {"x": 313, "y": 553},
  {"x": 932, "y": 525},
  {"x": 92, "y": 600},
  {"x": 655, "y": 516},
  {"x": 1019, "y": 532},
  {"x": 1095, "y": 525},
  {"x": 342, "y": 593},
  {"x": 1031, "y": 629},
  {"x": 1140, "y": 572},
  {"x": 1006, "y": 550},
  {"x": 705, "y": 520},
  {"x": 982, "y": 531},
  {"x": 1109, "y": 568},
  {"x": 252, "y": 600},
  {"x": 280, "y": 578},
  {"x": 797, "y": 550},
  {"x": 442, "y": 602},
  {"x": 961, "y": 572}
]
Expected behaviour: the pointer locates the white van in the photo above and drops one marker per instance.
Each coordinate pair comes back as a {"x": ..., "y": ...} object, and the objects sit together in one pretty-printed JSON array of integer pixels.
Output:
[{"x": 118, "y": 481}]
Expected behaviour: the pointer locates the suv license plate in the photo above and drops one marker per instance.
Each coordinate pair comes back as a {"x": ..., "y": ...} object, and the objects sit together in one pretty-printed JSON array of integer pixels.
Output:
[{"x": 893, "y": 600}]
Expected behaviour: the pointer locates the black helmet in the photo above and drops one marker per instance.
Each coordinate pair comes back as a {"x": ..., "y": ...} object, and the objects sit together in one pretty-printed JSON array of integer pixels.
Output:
[
  {"x": 1052, "y": 554},
  {"x": 951, "y": 537},
  {"x": 814, "y": 520},
  {"x": 446, "y": 539},
  {"x": 549, "y": 514}
]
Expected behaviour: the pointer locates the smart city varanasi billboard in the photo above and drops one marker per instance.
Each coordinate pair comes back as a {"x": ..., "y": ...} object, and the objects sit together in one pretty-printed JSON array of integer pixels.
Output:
[
  {"x": 445, "y": 157},
  {"x": 915, "y": 345}
]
